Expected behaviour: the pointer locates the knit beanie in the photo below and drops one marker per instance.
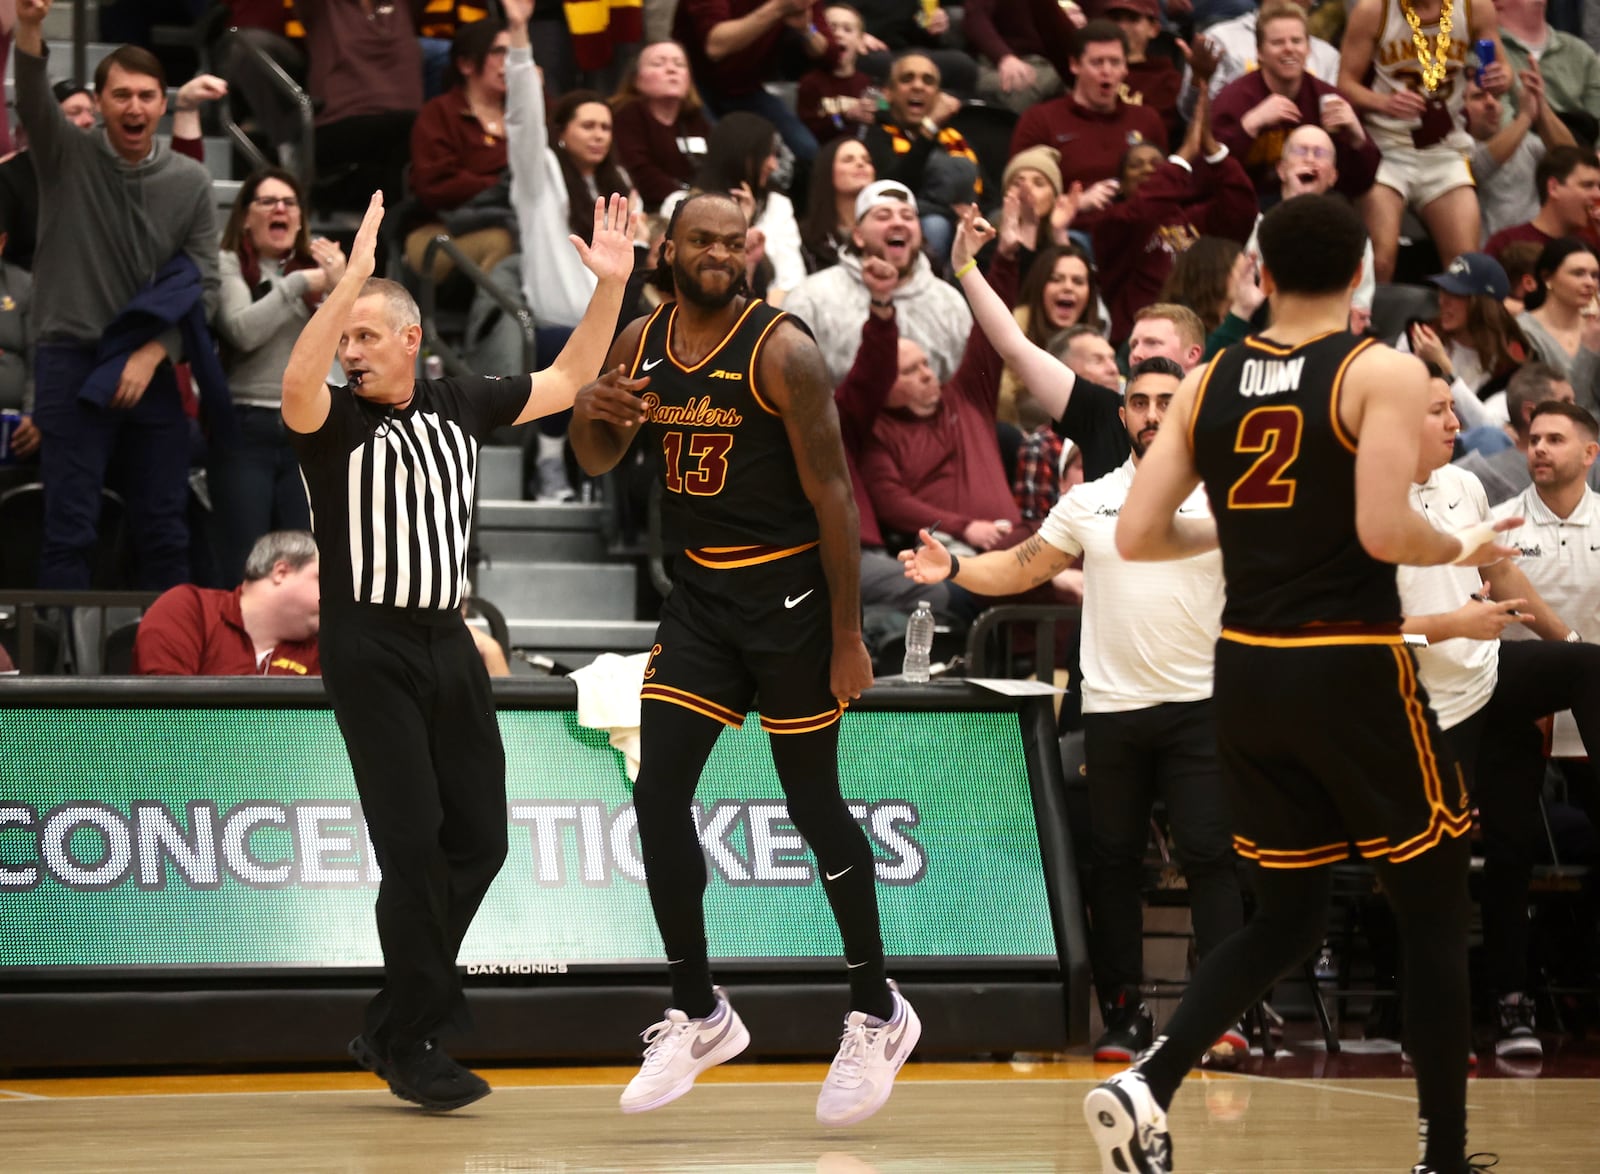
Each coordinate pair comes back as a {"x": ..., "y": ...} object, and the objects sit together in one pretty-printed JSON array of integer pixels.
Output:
[{"x": 1045, "y": 160}]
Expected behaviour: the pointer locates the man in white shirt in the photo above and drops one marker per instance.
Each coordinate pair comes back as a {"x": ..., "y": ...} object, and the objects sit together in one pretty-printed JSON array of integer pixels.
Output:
[
  {"x": 1148, "y": 636},
  {"x": 1240, "y": 47},
  {"x": 1487, "y": 694}
]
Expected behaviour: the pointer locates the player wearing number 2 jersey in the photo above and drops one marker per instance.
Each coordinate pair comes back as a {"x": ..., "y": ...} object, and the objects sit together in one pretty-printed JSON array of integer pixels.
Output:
[
  {"x": 737, "y": 408},
  {"x": 1305, "y": 439}
]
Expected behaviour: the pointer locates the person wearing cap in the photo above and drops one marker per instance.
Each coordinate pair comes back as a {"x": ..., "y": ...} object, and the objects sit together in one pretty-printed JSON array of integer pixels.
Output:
[
  {"x": 1474, "y": 341},
  {"x": 1161, "y": 211},
  {"x": 1153, "y": 81},
  {"x": 1567, "y": 181},
  {"x": 1092, "y": 125},
  {"x": 911, "y": 144},
  {"x": 835, "y": 302},
  {"x": 1254, "y": 115},
  {"x": 1505, "y": 156}
]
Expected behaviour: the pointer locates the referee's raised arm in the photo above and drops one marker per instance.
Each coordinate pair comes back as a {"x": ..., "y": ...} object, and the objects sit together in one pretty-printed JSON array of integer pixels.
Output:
[
  {"x": 610, "y": 258},
  {"x": 305, "y": 378}
]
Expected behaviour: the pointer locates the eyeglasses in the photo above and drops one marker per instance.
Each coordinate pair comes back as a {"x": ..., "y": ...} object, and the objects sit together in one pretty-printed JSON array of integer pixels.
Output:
[
  {"x": 1303, "y": 151},
  {"x": 275, "y": 202}
]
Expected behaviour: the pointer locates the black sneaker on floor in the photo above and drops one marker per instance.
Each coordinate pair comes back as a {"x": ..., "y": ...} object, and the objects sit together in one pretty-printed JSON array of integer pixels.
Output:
[
  {"x": 1130, "y": 1028},
  {"x": 422, "y": 1074},
  {"x": 1517, "y": 1038}
]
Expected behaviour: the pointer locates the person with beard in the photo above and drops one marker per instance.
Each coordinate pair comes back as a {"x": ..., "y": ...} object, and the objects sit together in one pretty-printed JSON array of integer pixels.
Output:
[
  {"x": 834, "y": 302},
  {"x": 1148, "y": 729},
  {"x": 1254, "y": 115},
  {"x": 734, "y": 398}
]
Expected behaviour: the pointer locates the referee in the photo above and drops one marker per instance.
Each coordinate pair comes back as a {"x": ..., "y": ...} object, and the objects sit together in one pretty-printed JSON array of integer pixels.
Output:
[{"x": 389, "y": 463}]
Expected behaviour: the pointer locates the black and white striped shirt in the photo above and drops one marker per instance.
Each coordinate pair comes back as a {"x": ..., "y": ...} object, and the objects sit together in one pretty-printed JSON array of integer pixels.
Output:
[{"x": 391, "y": 490}]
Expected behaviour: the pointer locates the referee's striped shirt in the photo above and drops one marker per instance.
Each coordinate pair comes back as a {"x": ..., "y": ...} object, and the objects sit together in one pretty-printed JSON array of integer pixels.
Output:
[{"x": 391, "y": 491}]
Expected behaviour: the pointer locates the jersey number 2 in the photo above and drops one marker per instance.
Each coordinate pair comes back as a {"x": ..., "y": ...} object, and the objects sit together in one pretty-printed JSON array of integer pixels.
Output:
[
  {"x": 710, "y": 452},
  {"x": 1275, "y": 434}
]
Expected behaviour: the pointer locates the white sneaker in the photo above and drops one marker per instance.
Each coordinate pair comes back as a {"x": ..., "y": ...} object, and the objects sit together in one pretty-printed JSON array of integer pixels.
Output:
[
  {"x": 871, "y": 1052},
  {"x": 1128, "y": 1126},
  {"x": 678, "y": 1049}
]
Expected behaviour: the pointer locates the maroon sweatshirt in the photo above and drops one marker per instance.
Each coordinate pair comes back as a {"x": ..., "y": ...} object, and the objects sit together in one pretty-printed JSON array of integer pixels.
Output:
[
  {"x": 1358, "y": 166},
  {"x": 453, "y": 157},
  {"x": 820, "y": 98},
  {"x": 946, "y": 468},
  {"x": 660, "y": 159},
  {"x": 996, "y": 28},
  {"x": 1155, "y": 82},
  {"x": 1137, "y": 240},
  {"x": 743, "y": 72},
  {"x": 860, "y": 396}
]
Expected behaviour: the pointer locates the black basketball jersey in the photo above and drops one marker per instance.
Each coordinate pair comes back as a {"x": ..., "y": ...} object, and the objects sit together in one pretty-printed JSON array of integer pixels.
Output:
[
  {"x": 733, "y": 493},
  {"x": 1279, "y": 468}
]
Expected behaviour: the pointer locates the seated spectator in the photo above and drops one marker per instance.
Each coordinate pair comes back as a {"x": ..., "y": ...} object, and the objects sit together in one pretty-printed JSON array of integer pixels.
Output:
[
  {"x": 1059, "y": 293},
  {"x": 1567, "y": 182},
  {"x": 911, "y": 145},
  {"x": 834, "y": 302},
  {"x": 1420, "y": 129},
  {"x": 659, "y": 123},
  {"x": 1163, "y": 208},
  {"x": 741, "y": 159},
  {"x": 1505, "y": 156},
  {"x": 1199, "y": 279},
  {"x": 273, "y": 278},
  {"x": 365, "y": 71},
  {"x": 1474, "y": 341},
  {"x": 932, "y": 456},
  {"x": 1014, "y": 67},
  {"x": 833, "y": 102},
  {"x": 1035, "y": 175},
  {"x": 1238, "y": 45},
  {"x": 1571, "y": 70},
  {"x": 553, "y": 192},
  {"x": 1171, "y": 331},
  {"x": 736, "y": 46},
  {"x": 458, "y": 156},
  {"x": 1254, "y": 115},
  {"x": 267, "y": 626},
  {"x": 1519, "y": 260},
  {"x": 893, "y": 26},
  {"x": 1504, "y": 470},
  {"x": 1560, "y": 322},
  {"x": 842, "y": 169},
  {"x": 1092, "y": 126},
  {"x": 1153, "y": 81}
]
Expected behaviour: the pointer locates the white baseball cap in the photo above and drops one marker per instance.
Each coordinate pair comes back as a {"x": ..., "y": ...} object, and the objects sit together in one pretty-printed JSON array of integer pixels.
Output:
[{"x": 883, "y": 191}]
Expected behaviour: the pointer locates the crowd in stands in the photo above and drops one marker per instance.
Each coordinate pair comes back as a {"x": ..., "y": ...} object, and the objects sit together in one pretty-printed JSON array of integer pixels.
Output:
[{"x": 1122, "y": 151}]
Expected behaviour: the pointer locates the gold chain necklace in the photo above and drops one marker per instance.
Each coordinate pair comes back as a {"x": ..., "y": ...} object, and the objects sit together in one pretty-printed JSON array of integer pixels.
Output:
[{"x": 1433, "y": 64}]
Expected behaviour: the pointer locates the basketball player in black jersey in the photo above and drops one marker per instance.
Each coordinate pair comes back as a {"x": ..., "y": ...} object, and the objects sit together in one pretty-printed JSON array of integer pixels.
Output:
[
  {"x": 1306, "y": 439},
  {"x": 735, "y": 400}
]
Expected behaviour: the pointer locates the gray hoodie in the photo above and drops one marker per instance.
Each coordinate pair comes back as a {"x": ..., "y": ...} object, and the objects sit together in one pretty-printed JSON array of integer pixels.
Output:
[
  {"x": 106, "y": 226},
  {"x": 835, "y": 303}
]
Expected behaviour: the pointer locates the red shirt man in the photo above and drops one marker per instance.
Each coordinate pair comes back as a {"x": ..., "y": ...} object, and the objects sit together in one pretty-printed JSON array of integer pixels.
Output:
[{"x": 267, "y": 626}]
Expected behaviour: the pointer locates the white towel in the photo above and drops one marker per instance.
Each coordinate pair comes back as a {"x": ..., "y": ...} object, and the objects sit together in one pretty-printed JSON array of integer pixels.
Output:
[{"x": 608, "y": 699}]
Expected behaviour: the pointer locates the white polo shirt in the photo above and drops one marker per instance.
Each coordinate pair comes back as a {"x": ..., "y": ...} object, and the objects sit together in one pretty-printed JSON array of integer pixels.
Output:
[
  {"x": 1561, "y": 557},
  {"x": 1459, "y": 673},
  {"x": 1149, "y": 629}
]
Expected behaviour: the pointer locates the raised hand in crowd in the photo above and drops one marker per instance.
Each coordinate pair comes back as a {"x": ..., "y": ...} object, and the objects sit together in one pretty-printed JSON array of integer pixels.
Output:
[
  {"x": 610, "y": 256},
  {"x": 1098, "y": 196},
  {"x": 1019, "y": 224},
  {"x": 972, "y": 233},
  {"x": 1244, "y": 287},
  {"x": 881, "y": 279},
  {"x": 1532, "y": 98},
  {"x": 1204, "y": 57},
  {"x": 330, "y": 268},
  {"x": 518, "y": 12}
]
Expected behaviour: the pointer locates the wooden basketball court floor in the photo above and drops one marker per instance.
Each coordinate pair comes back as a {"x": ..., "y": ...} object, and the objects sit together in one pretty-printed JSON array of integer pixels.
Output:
[{"x": 984, "y": 1118}]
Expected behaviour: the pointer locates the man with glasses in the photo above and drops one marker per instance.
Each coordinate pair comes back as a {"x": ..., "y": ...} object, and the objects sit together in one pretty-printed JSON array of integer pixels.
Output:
[{"x": 1255, "y": 115}]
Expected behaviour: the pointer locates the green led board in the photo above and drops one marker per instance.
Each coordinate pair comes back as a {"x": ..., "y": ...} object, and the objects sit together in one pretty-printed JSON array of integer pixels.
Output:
[{"x": 179, "y": 839}]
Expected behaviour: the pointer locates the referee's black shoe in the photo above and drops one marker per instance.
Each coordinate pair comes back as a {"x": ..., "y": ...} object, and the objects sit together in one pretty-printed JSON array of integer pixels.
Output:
[{"x": 421, "y": 1073}]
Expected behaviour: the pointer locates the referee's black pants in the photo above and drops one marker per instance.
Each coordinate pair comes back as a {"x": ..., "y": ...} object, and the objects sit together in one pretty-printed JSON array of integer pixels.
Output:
[
  {"x": 1132, "y": 758},
  {"x": 1502, "y": 754},
  {"x": 412, "y": 700}
]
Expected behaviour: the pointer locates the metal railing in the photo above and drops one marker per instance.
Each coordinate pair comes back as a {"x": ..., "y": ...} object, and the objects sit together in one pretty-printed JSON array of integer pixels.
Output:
[
  {"x": 305, "y": 154},
  {"x": 428, "y": 302},
  {"x": 30, "y": 603}
]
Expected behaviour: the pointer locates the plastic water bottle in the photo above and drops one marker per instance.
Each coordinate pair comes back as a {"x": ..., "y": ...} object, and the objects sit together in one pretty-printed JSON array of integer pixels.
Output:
[{"x": 919, "y": 643}]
